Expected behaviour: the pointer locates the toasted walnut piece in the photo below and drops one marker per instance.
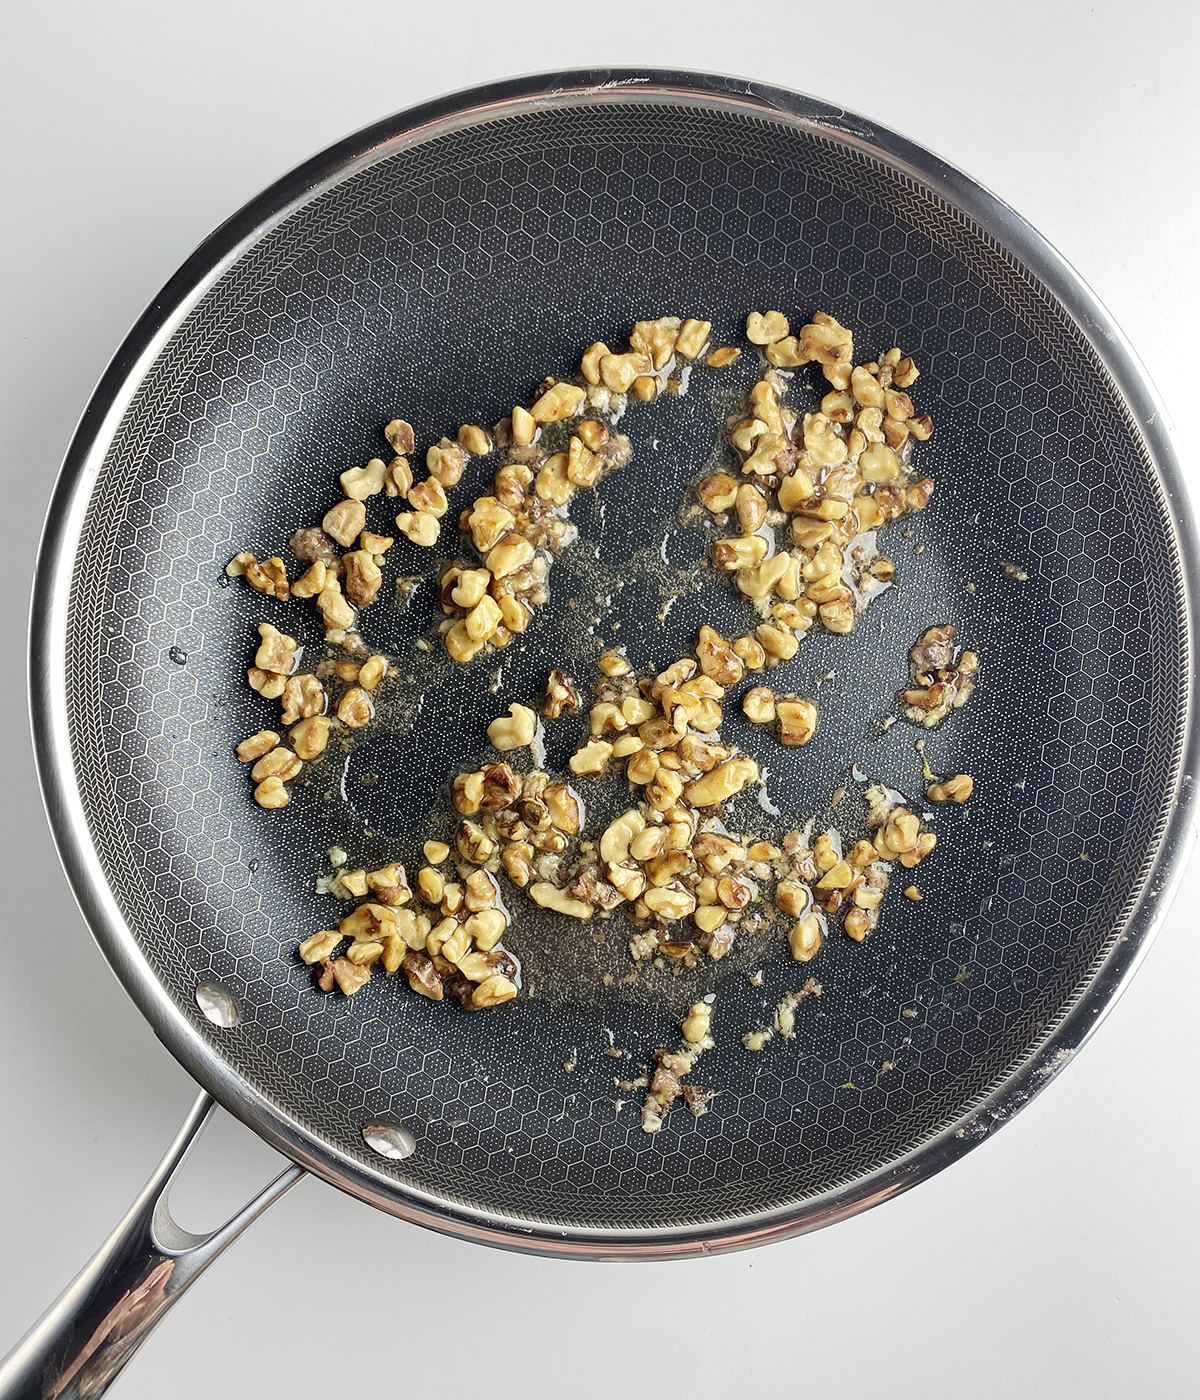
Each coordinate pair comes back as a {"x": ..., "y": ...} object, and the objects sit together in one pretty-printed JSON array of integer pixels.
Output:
[
  {"x": 319, "y": 946},
  {"x": 279, "y": 763},
  {"x": 389, "y": 884},
  {"x": 313, "y": 545},
  {"x": 399, "y": 479},
  {"x": 419, "y": 526},
  {"x": 501, "y": 786},
  {"x": 375, "y": 545},
  {"x": 511, "y": 553},
  {"x": 269, "y": 577},
  {"x": 309, "y": 737},
  {"x": 692, "y": 338},
  {"x": 723, "y": 356},
  {"x": 514, "y": 730},
  {"x": 551, "y": 897},
  {"x": 303, "y": 697},
  {"x": 797, "y": 721},
  {"x": 668, "y": 904},
  {"x": 805, "y": 938},
  {"x": 485, "y": 928},
  {"x": 956, "y": 789},
  {"x": 785, "y": 353},
  {"x": 583, "y": 465},
  {"x": 355, "y": 708},
  {"x": 459, "y": 645},
  {"x": 656, "y": 339},
  {"x": 764, "y": 329},
  {"x": 563, "y": 808},
  {"x": 349, "y": 976},
  {"x": 488, "y": 522},
  {"x": 558, "y": 694},
  {"x": 364, "y": 955},
  {"x": 483, "y": 619},
  {"x": 593, "y": 758},
  {"x": 345, "y": 521},
  {"x": 751, "y": 507},
  {"x": 354, "y": 882},
  {"x": 470, "y": 587},
  {"x": 837, "y": 616},
  {"x": 372, "y": 671},
  {"x": 336, "y": 611},
  {"x": 619, "y": 371},
  {"x": 905, "y": 374},
  {"x": 827, "y": 342},
  {"x": 313, "y": 580},
  {"x": 740, "y": 553},
  {"x": 718, "y": 659},
  {"x": 614, "y": 662},
  {"x": 725, "y": 781},
  {"x": 257, "y": 745},
  {"x": 589, "y": 366},
  {"x": 517, "y": 858},
  {"x": 857, "y": 924},
  {"x": 363, "y": 577},
  {"x": 510, "y": 483},
  {"x": 271, "y": 793},
  {"x": 468, "y": 792},
  {"x": 898, "y": 405},
  {"x": 645, "y": 387},
  {"x": 665, "y": 788},
  {"x": 524, "y": 427},
  {"x": 429, "y": 496},
  {"x": 474, "y": 440},
  {"x": 473, "y": 843},
  {"x": 496, "y": 990},
  {"x": 758, "y": 705},
  {"x": 718, "y": 492},
  {"x": 560, "y": 401},
  {"x": 268, "y": 683},
  {"x": 757, "y": 580},
  {"x": 400, "y": 435},
  {"x": 276, "y": 652},
  {"x": 749, "y": 652},
  {"x": 615, "y": 842},
  {"x": 419, "y": 971},
  {"x": 776, "y": 642}
]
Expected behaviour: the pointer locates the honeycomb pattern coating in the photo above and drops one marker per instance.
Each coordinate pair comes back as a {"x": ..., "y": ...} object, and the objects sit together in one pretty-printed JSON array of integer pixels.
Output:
[{"x": 442, "y": 281}]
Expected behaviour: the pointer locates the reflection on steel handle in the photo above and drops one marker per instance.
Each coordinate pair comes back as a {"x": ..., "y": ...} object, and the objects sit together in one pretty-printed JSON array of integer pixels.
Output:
[{"x": 85, "y": 1339}]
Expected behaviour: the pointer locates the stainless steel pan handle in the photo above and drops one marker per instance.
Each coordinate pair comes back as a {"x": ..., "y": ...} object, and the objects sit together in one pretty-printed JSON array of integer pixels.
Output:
[{"x": 82, "y": 1343}]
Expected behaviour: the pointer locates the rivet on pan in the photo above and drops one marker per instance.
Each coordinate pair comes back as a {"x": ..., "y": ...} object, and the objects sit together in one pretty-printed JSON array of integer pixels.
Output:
[
  {"x": 389, "y": 1140},
  {"x": 218, "y": 1003}
]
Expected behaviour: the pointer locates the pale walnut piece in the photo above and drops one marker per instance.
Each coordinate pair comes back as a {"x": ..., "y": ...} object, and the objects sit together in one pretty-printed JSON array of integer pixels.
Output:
[
  {"x": 257, "y": 745},
  {"x": 515, "y": 730}
]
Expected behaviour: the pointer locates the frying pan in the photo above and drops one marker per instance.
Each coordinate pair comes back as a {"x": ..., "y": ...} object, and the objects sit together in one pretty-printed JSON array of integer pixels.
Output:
[{"x": 437, "y": 265}]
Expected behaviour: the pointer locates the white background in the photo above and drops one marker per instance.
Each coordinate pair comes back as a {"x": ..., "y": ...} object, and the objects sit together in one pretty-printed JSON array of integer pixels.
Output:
[{"x": 1061, "y": 1259}]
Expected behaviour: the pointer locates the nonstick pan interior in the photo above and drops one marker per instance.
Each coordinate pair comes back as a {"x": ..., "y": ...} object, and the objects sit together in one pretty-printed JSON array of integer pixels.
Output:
[{"x": 438, "y": 273}]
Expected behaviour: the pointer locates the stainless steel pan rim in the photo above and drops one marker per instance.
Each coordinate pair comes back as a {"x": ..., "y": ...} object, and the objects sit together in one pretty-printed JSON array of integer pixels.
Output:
[{"x": 54, "y": 576}]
